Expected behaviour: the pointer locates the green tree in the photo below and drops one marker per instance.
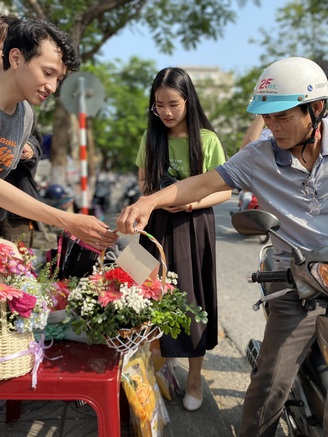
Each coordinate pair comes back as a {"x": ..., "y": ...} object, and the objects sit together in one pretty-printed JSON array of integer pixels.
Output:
[
  {"x": 234, "y": 119},
  {"x": 91, "y": 23},
  {"x": 119, "y": 126},
  {"x": 228, "y": 114},
  {"x": 300, "y": 30}
]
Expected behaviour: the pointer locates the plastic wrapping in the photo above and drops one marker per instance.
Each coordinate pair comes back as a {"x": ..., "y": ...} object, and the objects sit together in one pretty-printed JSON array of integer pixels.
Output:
[{"x": 147, "y": 406}]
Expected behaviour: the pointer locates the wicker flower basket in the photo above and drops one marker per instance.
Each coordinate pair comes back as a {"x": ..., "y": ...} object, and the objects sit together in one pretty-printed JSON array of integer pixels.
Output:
[
  {"x": 11, "y": 345},
  {"x": 130, "y": 339}
]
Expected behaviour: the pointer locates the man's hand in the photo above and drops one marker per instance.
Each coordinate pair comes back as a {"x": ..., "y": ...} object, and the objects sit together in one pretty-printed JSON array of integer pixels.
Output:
[{"x": 135, "y": 216}]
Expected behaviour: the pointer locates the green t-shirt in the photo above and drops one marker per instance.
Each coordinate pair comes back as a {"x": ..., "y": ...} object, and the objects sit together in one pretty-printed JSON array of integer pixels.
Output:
[{"x": 179, "y": 156}]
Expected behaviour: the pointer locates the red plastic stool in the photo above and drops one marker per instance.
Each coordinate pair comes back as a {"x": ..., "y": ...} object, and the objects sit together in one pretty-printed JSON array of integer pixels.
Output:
[{"x": 88, "y": 373}]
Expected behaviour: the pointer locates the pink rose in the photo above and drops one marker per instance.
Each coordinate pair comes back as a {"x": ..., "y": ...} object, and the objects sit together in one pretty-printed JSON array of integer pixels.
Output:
[{"x": 22, "y": 305}]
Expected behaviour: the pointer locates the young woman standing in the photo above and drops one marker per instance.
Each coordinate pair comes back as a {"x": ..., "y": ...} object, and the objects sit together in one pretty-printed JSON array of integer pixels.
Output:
[{"x": 178, "y": 143}]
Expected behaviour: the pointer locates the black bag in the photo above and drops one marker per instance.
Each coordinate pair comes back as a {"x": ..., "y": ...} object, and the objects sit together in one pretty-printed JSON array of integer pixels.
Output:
[{"x": 75, "y": 258}]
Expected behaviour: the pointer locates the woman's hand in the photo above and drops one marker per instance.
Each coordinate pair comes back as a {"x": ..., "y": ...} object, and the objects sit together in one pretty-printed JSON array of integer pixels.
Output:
[
  {"x": 90, "y": 230},
  {"x": 180, "y": 208}
]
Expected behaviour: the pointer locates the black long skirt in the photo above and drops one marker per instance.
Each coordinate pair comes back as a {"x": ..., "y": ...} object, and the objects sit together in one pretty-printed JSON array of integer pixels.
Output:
[{"x": 188, "y": 240}]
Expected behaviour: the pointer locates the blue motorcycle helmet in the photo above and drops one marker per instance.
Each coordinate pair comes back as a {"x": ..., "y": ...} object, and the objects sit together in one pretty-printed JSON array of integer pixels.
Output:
[{"x": 54, "y": 192}]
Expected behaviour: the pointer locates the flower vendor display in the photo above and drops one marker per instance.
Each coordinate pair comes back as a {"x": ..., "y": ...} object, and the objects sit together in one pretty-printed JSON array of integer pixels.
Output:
[
  {"x": 26, "y": 299},
  {"x": 105, "y": 307},
  {"x": 111, "y": 308}
]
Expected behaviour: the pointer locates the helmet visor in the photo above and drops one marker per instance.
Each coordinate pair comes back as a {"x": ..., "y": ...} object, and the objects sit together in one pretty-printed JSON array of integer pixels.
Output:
[{"x": 269, "y": 104}]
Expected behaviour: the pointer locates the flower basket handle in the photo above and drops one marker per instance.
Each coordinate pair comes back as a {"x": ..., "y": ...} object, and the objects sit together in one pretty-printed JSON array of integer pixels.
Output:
[
  {"x": 163, "y": 257},
  {"x": 161, "y": 251}
]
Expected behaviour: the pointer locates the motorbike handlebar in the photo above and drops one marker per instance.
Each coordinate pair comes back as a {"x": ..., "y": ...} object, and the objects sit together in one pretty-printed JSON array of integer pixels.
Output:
[{"x": 274, "y": 276}]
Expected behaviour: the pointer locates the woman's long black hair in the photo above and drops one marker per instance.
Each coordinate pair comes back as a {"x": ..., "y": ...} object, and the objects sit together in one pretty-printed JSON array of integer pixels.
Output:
[{"x": 157, "y": 150}]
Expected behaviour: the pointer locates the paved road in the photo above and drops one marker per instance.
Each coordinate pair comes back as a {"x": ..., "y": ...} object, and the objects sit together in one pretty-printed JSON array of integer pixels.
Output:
[{"x": 237, "y": 256}]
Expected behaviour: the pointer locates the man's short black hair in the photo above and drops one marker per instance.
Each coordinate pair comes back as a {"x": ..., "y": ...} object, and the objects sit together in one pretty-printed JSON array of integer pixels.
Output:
[{"x": 27, "y": 35}]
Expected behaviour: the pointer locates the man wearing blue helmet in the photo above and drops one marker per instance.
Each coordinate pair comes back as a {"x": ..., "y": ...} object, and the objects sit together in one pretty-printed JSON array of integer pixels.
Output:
[{"x": 288, "y": 175}]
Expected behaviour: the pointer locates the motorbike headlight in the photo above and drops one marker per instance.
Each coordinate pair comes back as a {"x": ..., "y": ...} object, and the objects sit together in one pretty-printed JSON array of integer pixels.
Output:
[{"x": 320, "y": 273}]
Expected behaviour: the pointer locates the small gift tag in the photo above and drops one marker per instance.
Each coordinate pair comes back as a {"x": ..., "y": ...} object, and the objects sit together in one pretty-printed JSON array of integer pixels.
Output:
[{"x": 138, "y": 262}]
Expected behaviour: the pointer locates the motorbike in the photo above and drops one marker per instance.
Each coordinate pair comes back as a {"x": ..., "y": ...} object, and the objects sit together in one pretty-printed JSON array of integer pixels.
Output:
[
  {"x": 130, "y": 196},
  {"x": 308, "y": 273}
]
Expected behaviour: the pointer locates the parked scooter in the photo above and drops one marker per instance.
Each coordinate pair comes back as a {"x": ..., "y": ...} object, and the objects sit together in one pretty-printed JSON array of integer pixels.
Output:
[
  {"x": 130, "y": 196},
  {"x": 308, "y": 273}
]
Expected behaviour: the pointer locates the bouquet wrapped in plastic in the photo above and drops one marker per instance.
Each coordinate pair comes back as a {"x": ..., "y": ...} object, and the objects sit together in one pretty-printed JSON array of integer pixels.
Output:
[{"x": 146, "y": 402}]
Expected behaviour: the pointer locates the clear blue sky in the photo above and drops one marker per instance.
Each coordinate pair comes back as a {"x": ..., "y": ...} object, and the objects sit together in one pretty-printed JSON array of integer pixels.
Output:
[{"x": 231, "y": 53}]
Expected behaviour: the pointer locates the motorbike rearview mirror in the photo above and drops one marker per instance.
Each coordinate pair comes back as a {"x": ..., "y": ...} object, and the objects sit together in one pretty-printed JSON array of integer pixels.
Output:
[
  {"x": 254, "y": 222},
  {"x": 258, "y": 222}
]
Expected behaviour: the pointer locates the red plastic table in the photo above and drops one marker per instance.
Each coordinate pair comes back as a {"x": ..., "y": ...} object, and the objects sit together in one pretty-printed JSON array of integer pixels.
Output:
[{"x": 88, "y": 373}]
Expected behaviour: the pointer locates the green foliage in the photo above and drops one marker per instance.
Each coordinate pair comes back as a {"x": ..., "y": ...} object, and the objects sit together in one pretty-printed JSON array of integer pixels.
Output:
[
  {"x": 118, "y": 128},
  {"x": 171, "y": 313},
  {"x": 233, "y": 111},
  {"x": 102, "y": 322},
  {"x": 304, "y": 21},
  {"x": 228, "y": 115},
  {"x": 92, "y": 23}
]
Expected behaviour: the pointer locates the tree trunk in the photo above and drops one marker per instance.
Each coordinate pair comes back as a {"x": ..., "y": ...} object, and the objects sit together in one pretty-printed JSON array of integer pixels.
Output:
[{"x": 60, "y": 143}]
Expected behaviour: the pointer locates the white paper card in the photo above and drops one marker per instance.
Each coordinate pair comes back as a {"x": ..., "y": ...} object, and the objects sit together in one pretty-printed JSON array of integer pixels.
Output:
[{"x": 138, "y": 262}]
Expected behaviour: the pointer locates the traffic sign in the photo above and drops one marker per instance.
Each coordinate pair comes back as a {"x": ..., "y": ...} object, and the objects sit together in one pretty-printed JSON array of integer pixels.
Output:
[{"x": 71, "y": 89}]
